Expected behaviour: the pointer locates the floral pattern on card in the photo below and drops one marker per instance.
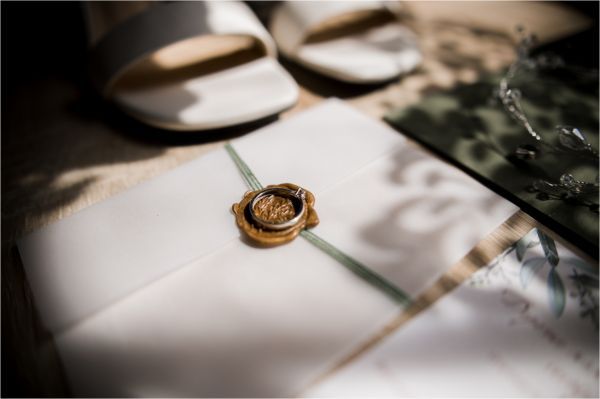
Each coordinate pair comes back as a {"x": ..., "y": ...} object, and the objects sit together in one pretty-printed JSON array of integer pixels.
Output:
[{"x": 567, "y": 277}]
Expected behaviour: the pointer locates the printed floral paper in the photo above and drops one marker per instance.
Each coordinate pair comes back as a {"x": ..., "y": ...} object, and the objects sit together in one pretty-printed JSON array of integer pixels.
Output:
[{"x": 526, "y": 325}]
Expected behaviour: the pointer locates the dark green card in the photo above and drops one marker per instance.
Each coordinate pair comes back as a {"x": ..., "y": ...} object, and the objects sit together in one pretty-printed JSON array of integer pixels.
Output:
[{"x": 467, "y": 127}]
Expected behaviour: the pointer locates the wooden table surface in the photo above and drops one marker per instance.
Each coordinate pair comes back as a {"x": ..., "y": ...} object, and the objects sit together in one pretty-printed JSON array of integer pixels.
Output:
[{"x": 63, "y": 149}]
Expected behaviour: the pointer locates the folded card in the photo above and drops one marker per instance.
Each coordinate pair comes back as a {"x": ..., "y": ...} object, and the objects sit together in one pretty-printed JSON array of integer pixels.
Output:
[
  {"x": 154, "y": 293},
  {"x": 526, "y": 326}
]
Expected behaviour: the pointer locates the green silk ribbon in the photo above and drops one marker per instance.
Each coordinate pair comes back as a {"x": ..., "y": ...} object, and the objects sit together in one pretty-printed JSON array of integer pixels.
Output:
[{"x": 386, "y": 287}]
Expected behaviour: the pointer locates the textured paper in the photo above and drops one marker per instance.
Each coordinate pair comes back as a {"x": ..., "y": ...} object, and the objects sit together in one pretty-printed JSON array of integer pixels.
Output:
[
  {"x": 153, "y": 293},
  {"x": 499, "y": 334}
]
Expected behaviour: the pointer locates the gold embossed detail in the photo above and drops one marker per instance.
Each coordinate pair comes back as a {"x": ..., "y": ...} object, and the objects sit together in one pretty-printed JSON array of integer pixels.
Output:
[{"x": 275, "y": 210}]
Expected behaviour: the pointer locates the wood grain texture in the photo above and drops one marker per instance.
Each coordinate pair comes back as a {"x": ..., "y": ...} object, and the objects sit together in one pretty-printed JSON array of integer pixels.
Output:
[{"x": 63, "y": 150}]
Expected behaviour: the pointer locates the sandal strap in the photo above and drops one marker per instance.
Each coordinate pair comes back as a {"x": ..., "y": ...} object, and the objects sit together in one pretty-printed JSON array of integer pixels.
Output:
[
  {"x": 163, "y": 24},
  {"x": 292, "y": 20}
]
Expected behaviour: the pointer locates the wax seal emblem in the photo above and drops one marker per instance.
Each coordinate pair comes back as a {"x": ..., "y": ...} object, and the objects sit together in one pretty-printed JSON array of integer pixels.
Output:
[{"x": 276, "y": 214}]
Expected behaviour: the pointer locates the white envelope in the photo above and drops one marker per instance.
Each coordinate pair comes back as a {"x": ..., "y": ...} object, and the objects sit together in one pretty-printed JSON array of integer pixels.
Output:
[{"x": 153, "y": 293}]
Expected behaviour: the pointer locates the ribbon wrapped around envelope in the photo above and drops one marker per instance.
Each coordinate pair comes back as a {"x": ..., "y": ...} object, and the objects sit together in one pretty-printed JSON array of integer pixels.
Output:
[{"x": 153, "y": 293}]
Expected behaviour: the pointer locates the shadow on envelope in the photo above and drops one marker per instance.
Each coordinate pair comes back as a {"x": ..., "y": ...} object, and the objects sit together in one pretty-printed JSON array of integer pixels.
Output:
[{"x": 427, "y": 226}]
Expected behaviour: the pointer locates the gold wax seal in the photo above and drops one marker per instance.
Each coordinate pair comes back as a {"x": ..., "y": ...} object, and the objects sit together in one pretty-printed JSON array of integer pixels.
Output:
[{"x": 276, "y": 214}]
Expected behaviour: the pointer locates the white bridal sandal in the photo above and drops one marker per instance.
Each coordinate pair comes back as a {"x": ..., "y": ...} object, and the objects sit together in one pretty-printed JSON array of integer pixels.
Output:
[
  {"x": 351, "y": 41},
  {"x": 187, "y": 65}
]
